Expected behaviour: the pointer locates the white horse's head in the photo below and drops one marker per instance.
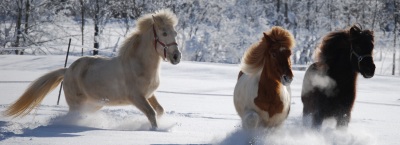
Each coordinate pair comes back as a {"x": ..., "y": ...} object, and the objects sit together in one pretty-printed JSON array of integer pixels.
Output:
[{"x": 164, "y": 36}]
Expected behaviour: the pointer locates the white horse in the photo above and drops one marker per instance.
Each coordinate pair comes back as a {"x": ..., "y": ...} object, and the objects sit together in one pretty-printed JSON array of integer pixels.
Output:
[{"x": 130, "y": 78}]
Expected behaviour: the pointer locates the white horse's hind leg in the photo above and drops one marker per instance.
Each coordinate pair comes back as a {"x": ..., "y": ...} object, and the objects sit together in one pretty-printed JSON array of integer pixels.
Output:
[
  {"x": 251, "y": 120},
  {"x": 84, "y": 107},
  {"x": 154, "y": 103},
  {"x": 78, "y": 102},
  {"x": 143, "y": 105},
  {"x": 90, "y": 107}
]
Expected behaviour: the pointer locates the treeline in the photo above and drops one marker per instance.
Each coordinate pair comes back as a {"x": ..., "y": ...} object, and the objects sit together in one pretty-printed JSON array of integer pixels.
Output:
[{"x": 209, "y": 31}]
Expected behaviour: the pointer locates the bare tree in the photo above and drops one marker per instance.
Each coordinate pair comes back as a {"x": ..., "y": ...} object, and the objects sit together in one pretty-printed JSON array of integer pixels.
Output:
[
  {"x": 395, "y": 15},
  {"x": 18, "y": 25},
  {"x": 396, "y": 22},
  {"x": 27, "y": 14},
  {"x": 126, "y": 11},
  {"x": 82, "y": 4},
  {"x": 7, "y": 24},
  {"x": 99, "y": 12}
]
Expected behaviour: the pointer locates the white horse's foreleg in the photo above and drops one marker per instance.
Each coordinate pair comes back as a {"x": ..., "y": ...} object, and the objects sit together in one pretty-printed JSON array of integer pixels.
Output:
[
  {"x": 143, "y": 105},
  {"x": 154, "y": 103},
  {"x": 251, "y": 120}
]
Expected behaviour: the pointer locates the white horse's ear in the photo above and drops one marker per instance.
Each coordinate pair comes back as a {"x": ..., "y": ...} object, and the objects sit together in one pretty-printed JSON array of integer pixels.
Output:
[{"x": 156, "y": 21}]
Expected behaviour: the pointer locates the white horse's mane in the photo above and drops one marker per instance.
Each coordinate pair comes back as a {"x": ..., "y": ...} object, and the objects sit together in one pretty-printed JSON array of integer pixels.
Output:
[{"x": 164, "y": 17}]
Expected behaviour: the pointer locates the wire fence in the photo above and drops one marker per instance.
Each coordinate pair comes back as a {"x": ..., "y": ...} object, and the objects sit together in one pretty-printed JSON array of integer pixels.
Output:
[
  {"x": 211, "y": 94},
  {"x": 111, "y": 50},
  {"x": 167, "y": 92},
  {"x": 14, "y": 82}
]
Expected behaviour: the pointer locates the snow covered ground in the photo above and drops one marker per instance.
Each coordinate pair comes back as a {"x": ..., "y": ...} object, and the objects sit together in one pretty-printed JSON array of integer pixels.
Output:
[{"x": 197, "y": 98}]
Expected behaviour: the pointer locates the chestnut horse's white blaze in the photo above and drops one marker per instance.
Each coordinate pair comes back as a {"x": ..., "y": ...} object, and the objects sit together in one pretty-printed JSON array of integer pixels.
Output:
[
  {"x": 130, "y": 78},
  {"x": 262, "y": 93}
]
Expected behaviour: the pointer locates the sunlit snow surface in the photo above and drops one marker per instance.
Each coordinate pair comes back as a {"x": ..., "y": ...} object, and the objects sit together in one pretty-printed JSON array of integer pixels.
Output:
[{"x": 197, "y": 98}]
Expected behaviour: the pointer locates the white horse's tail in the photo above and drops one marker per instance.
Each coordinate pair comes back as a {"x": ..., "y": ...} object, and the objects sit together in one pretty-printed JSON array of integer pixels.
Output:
[{"x": 35, "y": 93}]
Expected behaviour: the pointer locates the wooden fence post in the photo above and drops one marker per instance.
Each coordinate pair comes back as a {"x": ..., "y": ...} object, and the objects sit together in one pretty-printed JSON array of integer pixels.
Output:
[{"x": 65, "y": 65}]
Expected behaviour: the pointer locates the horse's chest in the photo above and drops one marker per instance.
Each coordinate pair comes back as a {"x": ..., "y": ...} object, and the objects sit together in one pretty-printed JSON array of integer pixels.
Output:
[
  {"x": 278, "y": 110},
  {"x": 148, "y": 85}
]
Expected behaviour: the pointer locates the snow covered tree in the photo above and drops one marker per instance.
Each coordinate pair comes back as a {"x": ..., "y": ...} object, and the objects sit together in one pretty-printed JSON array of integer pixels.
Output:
[
  {"x": 211, "y": 31},
  {"x": 98, "y": 11}
]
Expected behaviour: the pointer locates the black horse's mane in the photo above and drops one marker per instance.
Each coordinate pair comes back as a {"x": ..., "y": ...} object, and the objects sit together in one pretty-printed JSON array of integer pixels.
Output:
[{"x": 336, "y": 42}]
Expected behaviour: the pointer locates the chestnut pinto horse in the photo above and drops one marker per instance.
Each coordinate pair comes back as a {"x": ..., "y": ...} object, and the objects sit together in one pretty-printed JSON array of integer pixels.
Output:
[
  {"x": 128, "y": 79},
  {"x": 329, "y": 85},
  {"x": 262, "y": 93}
]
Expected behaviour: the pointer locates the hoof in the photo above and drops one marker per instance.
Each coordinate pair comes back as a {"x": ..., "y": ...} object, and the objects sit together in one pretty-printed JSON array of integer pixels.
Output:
[{"x": 154, "y": 128}]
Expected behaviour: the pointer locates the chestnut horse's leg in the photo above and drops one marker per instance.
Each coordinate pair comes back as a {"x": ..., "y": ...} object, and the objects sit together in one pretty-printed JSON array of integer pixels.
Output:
[
  {"x": 144, "y": 105},
  {"x": 250, "y": 120},
  {"x": 154, "y": 103}
]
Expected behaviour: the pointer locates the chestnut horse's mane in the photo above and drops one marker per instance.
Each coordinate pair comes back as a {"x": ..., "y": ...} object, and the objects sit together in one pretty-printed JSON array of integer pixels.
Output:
[
  {"x": 277, "y": 37},
  {"x": 335, "y": 42}
]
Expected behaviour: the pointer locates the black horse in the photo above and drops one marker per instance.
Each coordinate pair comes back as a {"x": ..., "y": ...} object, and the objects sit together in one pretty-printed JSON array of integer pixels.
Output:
[{"x": 329, "y": 85}]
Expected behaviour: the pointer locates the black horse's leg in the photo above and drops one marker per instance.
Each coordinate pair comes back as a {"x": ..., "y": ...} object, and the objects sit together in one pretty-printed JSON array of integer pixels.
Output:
[
  {"x": 308, "y": 109},
  {"x": 307, "y": 115},
  {"x": 343, "y": 120},
  {"x": 317, "y": 120}
]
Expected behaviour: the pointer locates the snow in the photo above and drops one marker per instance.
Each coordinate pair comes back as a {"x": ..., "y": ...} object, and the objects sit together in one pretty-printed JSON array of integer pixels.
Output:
[{"x": 198, "y": 103}]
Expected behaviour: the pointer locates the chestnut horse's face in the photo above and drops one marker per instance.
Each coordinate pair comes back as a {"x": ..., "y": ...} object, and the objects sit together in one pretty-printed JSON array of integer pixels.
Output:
[
  {"x": 361, "y": 55},
  {"x": 280, "y": 65}
]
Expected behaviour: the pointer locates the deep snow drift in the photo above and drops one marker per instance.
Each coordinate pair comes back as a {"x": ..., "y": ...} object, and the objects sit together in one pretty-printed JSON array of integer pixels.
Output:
[{"x": 198, "y": 103}]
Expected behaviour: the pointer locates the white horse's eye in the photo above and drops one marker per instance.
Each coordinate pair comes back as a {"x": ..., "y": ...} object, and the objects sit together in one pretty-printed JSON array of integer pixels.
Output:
[{"x": 164, "y": 34}]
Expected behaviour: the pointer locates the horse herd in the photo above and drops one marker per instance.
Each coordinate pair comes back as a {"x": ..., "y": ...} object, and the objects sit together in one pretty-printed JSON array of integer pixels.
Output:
[{"x": 261, "y": 96}]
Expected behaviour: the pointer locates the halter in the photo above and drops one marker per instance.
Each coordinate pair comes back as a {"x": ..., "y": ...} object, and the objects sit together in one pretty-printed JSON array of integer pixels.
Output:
[
  {"x": 359, "y": 57},
  {"x": 166, "y": 46}
]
